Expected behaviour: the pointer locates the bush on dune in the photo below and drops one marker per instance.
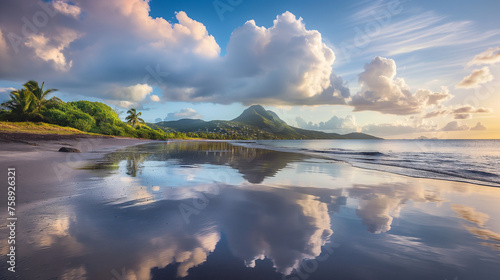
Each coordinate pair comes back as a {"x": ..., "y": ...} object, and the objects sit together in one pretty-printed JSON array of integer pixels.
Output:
[
  {"x": 97, "y": 117},
  {"x": 32, "y": 104}
]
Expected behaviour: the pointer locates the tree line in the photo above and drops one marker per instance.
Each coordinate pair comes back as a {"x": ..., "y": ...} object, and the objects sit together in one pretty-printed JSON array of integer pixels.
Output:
[{"x": 31, "y": 104}]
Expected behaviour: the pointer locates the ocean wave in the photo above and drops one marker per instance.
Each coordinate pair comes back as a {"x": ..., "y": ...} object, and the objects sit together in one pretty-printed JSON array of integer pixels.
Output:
[{"x": 434, "y": 165}]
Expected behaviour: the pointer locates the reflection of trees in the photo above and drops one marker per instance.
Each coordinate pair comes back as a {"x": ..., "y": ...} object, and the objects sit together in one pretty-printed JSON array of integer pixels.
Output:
[
  {"x": 254, "y": 164},
  {"x": 133, "y": 163}
]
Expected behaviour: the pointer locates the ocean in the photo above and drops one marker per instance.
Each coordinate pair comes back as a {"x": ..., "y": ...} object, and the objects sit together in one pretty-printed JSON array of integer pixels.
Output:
[{"x": 472, "y": 161}]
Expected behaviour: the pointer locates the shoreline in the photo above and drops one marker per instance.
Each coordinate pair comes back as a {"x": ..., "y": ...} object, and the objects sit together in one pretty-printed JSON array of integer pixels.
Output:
[
  {"x": 44, "y": 173},
  {"x": 376, "y": 166}
]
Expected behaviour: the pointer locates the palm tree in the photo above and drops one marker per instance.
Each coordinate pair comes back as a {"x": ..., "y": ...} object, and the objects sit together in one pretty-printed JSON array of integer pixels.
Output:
[
  {"x": 26, "y": 104},
  {"x": 21, "y": 105},
  {"x": 133, "y": 118},
  {"x": 40, "y": 96}
]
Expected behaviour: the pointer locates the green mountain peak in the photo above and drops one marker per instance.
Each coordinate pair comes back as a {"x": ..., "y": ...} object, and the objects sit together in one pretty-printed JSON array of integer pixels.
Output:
[{"x": 256, "y": 122}]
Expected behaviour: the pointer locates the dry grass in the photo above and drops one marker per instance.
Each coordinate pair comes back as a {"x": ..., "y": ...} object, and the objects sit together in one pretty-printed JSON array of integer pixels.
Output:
[{"x": 38, "y": 128}]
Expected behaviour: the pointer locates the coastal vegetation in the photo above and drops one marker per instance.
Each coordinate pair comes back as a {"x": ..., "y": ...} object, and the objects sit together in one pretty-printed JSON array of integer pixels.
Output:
[{"x": 32, "y": 104}]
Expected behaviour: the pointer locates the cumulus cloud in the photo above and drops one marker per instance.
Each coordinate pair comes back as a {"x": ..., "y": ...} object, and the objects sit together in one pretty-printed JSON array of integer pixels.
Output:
[
  {"x": 337, "y": 124},
  {"x": 51, "y": 49},
  {"x": 131, "y": 96},
  {"x": 283, "y": 64},
  {"x": 454, "y": 126},
  {"x": 117, "y": 42},
  {"x": 381, "y": 91},
  {"x": 478, "y": 126},
  {"x": 489, "y": 56},
  {"x": 186, "y": 113},
  {"x": 132, "y": 93},
  {"x": 477, "y": 78},
  {"x": 111, "y": 44},
  {"x": 155, "y": 98}
]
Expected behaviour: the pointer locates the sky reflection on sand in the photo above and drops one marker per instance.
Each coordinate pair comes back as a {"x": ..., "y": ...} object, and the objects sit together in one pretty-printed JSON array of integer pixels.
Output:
[{"x": 210, "y": 210}]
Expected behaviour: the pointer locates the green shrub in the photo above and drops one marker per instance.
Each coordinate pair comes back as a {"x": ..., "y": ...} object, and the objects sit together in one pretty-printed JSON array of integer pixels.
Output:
[
  {"x": 96, "y": 117},
  {"x": 83, "y": 125}
]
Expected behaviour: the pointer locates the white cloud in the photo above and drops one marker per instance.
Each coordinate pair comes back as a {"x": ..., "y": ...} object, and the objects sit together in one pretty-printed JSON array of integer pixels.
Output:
[
  {"x": 460, "y": 112},
  {"x": 112, "y": 44},
  {"x": 283, "y": 64},
  {"x": 186, "y": 113},
  {"x": 117, "y": 42},
  {"x": 155, "y": 98},
  {"x": 466, "y": 112},
  {"x": 51, "y": 49},
  {"x": 7, "y": 89},
  {"x": 400, "y": 34},
  {"x": 441, "y": 111},
  {"x": 334, "y": 124},
  {"x": 133, "y": 93},
  {"x": 381, "y": 91},
  {"x": 131, "y": 96},
  {"x": 67, "y": 8},
  {"x": 478, "y": 126},
  {"x": 454, "y": 126},
  {"x": 477, "y": 78},
  {"x": 490, "y": 56},
  {"x": 5, "y": 93}
]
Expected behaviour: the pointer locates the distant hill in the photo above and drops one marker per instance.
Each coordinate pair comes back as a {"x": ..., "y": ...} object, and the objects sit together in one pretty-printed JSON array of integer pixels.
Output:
[
  {"x": 254, "y": 123},
  {"x": 426, "y": 138}
]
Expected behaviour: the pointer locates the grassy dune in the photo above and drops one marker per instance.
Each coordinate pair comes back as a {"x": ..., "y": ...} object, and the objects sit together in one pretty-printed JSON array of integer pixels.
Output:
[{"x": 38, "y": 128}]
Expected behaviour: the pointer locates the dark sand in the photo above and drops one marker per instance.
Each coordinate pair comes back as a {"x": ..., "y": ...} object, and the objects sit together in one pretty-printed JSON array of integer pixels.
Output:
[{"x": 38, "y": 162}]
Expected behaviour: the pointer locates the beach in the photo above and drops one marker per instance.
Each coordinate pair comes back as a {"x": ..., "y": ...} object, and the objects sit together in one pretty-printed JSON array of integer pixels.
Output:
[
  {"x": 41, "y": 168},
  {"x": 219, "y": 210}
]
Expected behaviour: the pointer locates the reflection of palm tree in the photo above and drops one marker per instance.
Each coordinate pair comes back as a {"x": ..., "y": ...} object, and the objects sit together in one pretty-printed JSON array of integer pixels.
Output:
[
  {"x": 254, "y": 164},
  {"x": 133, "y": 162},
  {"x": 133, "y": 118}
]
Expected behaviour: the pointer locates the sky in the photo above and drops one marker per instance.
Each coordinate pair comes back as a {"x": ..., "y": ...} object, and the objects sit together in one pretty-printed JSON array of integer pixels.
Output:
[{"x": 394, "y": 69}]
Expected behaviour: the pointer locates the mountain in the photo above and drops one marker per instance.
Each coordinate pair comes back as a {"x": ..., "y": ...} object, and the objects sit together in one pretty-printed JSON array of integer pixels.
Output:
[{"x": 254, "y": 123}]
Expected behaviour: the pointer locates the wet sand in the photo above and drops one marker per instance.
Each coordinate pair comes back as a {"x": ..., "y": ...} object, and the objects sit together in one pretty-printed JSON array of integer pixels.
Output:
[
  {"x": 42, "y": 170},
  {"x": 210, "y": 210}
]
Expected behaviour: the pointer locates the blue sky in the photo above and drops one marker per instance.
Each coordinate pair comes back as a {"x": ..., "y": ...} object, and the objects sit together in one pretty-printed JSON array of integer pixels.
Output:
[{"x": 392, "y": 68}]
